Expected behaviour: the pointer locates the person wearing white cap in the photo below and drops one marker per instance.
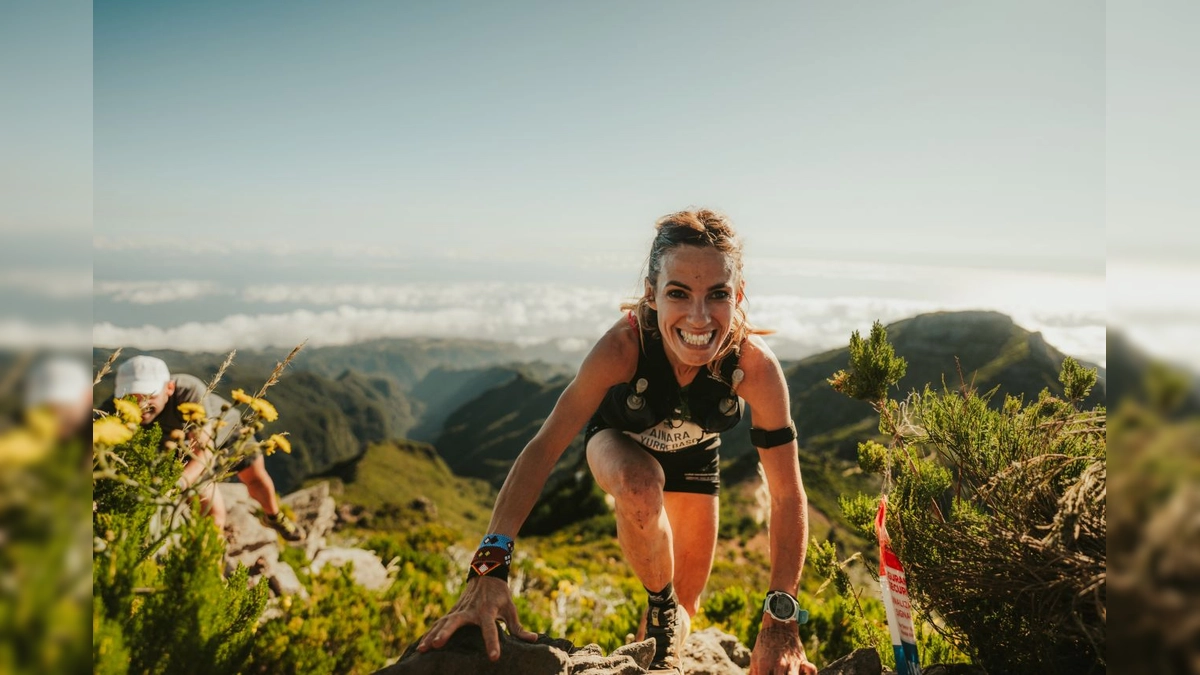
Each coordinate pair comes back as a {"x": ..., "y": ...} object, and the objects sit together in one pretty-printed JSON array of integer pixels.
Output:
[
  {"x": 160, "y": 394},
  {"x": 63, "y": 385}
]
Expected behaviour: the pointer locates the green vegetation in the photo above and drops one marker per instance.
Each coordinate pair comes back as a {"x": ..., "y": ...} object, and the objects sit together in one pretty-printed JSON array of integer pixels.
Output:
[
  {"x": 997, "y": 514},
  {"x": 160, "y": 601},
  {"x": 43, "y": 558},
  {"x": 484, "y": 436},
  {"x": 391, "y": 476},
  {"x": 986, "y": 348},
  {"x": 970, "y": 483},
  {"x": 1152, "y": 543}
]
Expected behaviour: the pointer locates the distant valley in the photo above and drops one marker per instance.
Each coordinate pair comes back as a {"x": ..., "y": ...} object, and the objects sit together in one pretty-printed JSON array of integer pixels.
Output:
[{"x": 477, "y": 403}]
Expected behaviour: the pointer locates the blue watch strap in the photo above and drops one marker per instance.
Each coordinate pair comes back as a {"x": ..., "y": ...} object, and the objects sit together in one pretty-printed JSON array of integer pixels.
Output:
[{"x": 800, "y": 616}]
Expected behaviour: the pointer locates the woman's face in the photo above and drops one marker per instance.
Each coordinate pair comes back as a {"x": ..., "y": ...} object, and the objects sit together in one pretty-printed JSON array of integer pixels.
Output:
[{"x": 695, "y": 297}]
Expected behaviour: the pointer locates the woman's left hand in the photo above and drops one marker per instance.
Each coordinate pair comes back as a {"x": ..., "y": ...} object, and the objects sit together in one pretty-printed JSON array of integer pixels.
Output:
[{"x": 778, "y": 651}]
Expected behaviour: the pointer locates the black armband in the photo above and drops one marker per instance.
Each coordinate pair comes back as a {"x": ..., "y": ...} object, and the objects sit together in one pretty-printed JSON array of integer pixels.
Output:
[{"x": 761, "y": 438}]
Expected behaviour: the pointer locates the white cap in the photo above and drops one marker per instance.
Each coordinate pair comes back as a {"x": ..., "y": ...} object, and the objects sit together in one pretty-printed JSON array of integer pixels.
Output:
[
  {"x": 58, "y": 380},
  {"x": 144, "y": 375}
]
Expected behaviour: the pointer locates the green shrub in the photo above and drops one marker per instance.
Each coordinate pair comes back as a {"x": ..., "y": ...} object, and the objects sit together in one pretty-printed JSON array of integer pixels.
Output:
[
  {"x": 160, "y": 601},
  {"x": 337, "y": 630},
  {"x": 997, "y": 515}
]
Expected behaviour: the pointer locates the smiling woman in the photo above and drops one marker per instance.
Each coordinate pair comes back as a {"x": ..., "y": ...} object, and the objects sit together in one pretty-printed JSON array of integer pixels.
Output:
[
  {"x": 655, "y": 392},
  {"x": 696, "y": 249}
]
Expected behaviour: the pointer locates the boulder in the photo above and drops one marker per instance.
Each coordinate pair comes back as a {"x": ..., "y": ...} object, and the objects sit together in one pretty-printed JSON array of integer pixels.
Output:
[
  {"x": 249, "y": 542},
  {"x": 369, "y": 571},
  {"x": 713, "y": 639},
  {"x": 315, "y": 511},
  {"x": 425, "y": 505},
  {"x": 351, "y": 514},
  {"x": 465, "y": 653},
  {"x": 246, "y": 538},
  {"x": 706, "y": 652},
  {"x": 712, "y": 652},
  {"x": 283, "y": 580}
]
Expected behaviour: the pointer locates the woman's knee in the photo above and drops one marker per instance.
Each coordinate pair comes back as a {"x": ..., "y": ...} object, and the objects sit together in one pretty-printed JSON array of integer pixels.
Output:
[
  {"x": 623, "y": 469},
  {"x": 639, "y": 487}
]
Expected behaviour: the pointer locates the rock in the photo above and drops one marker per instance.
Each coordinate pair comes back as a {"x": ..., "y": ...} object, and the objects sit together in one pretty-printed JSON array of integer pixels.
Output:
[
  {"x": 464, "y": 653},
  {"x": 246, "y": 538},
  {"x": 424, "y": 505},
  {"x": 641, "y": 652},
  {"x": 350, "y": 514},
  {"x": 283, "y": 580},
  {"x": 314, "y": 511},
  {"x": 863, "y": 661},
  {"x": 737, "y": 652},
  {"x": 705, "y": 653},
  {"x": 369, "y": 571},
  {"x": 249, "y": 542}
]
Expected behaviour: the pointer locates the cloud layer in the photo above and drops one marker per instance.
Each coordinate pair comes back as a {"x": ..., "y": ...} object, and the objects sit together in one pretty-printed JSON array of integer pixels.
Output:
[{"x": 349, "y": 313}]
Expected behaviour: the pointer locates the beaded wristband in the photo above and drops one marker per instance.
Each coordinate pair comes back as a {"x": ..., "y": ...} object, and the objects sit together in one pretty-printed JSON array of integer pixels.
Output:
[{"x": 493, "y": 558}]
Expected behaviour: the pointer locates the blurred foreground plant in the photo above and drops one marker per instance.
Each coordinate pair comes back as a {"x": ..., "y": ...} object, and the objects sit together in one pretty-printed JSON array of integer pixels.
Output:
[{"x": 163, "y": 600}]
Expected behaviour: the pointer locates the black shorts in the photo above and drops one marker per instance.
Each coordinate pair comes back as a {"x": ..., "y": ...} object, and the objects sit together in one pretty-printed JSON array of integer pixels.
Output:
[{"x": 696, "y": 470}]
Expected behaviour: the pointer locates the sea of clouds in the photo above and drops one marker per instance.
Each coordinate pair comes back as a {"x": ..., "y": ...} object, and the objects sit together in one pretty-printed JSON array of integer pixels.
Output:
[{"x": 800, "y": 308}]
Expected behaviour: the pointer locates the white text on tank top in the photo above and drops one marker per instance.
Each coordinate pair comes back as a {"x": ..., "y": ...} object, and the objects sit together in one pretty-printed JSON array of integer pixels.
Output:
[{"x": 672, "y": 435}]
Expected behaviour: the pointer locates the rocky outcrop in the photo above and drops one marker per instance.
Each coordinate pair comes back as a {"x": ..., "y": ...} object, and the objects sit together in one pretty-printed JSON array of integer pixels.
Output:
[
  {"x": 711, "y": 652},
  {"x": 251, "y": 543},
  {"x": 464, "y": 653},
  {"x": 314, "y": 510},
  {"x": 706, "y": 652},
  {"x": 368, "y": 570}
]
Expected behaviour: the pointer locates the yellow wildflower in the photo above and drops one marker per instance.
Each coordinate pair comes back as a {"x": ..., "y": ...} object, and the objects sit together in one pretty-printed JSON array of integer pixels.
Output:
[
  {"x": 264, "y": 409},
  {"x": 19, "y": 447},
  {"x": 128, "y": 411},
  {"x": 279, "y": 442},
  {"x": 41, "y": 423},
  {"x": 193, "y": 412},
  {"x": 261, "y": 406},
  {"x": 110, "y": 431}
]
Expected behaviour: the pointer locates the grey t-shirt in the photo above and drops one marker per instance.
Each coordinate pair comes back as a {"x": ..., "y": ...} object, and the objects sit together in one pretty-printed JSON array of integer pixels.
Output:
[{"x": 190, "y": 389}]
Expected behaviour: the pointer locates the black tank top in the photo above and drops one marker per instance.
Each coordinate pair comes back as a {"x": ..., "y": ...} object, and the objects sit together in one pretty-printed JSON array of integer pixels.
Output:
[{"x": 655, "y": 411}]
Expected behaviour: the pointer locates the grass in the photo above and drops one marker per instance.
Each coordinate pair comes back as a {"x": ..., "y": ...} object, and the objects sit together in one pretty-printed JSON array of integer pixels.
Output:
[{"x": 390, "y": 476}]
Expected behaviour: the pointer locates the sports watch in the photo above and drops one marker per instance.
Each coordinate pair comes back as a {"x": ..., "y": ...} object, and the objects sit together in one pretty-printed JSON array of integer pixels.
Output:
[{"x": 783, "y": 607}]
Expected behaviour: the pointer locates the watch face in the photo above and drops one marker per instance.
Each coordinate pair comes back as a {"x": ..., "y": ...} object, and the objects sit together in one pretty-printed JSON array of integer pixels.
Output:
[{"x": 782, "y": 606}]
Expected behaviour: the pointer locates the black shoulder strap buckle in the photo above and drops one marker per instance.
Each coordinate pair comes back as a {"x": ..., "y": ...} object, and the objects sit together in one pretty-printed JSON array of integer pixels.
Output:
[{"x": 761, "y": 438}]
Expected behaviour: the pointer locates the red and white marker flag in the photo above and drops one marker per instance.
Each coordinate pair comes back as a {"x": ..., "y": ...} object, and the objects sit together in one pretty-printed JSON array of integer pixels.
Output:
[{"x": 895, "y": 599}]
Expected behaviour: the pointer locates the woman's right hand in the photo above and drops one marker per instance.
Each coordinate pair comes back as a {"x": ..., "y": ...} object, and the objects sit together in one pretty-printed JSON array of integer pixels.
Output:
[{"x": 483, "y": 602}]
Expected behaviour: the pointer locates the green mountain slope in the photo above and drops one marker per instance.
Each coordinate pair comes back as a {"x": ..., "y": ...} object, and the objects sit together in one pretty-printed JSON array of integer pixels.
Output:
[
  {"x": 485, "y": 435},
  {"x": 988, "y": 348},
  {"x": 410, "y": 360},
  {"x": 444, "y": 390},
  {"x": 391, "y": 477}
]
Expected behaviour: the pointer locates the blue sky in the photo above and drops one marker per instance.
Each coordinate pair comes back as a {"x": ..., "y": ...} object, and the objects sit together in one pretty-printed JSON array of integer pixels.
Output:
[
  {"x": 393, "y": 169},
  {"x": 933, "y": 131},
  {"x": 327, "y": 169}
]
